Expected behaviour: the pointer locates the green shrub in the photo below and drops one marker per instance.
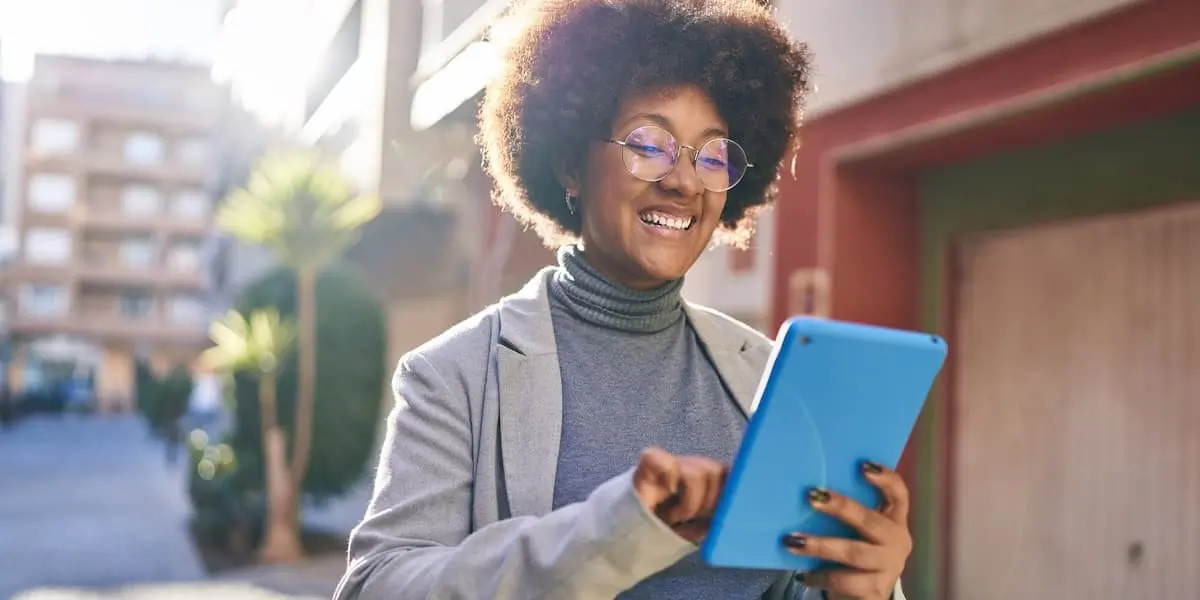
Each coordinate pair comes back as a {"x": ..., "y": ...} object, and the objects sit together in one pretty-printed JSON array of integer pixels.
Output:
[{"x": 350, "y": 376}]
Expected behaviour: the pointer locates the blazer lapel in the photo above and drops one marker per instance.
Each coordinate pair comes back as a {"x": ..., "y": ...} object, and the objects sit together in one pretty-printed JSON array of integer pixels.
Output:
[
  {"x": 739, "y": 358},
  {"x": 530, "y": 399}
]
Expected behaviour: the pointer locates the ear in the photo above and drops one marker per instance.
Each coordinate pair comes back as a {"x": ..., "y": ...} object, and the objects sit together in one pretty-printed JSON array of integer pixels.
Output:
[{"x": 567, "y": 174}]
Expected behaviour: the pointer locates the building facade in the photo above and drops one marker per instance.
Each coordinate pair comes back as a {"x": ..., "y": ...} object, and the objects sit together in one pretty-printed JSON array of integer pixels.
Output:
[
  {"x": 1020, "y": 177},
  {"x": 115, "y": 208}
]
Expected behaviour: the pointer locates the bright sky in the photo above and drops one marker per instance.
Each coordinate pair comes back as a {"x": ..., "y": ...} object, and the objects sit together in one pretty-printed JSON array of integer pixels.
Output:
[{"x": 166, "y": 29}]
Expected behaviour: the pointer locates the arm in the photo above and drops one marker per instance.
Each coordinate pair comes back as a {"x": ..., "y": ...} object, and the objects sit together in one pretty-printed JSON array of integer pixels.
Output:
[{"x": 416, "y": 540}]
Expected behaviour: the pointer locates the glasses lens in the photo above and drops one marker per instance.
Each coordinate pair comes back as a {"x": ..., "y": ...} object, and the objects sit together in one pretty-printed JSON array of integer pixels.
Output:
[
  {"x": 649, "y": 152},
  {"x": 720, "y": 164}
]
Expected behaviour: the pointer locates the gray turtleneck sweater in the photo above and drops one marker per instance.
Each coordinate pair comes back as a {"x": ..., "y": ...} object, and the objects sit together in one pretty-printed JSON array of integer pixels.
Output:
[{"x": 635, "y": 375}]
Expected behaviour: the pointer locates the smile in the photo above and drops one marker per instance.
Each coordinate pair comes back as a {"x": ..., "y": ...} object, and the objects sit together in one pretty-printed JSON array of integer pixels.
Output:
[{"x": 665, "y": 221}]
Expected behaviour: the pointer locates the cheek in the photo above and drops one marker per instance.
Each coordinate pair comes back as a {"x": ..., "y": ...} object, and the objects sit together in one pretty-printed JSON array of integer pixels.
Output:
[{"x": 714, "y": 205}]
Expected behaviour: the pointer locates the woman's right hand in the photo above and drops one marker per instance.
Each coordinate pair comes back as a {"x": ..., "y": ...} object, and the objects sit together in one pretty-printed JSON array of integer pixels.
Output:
[{"x": 682, "y": 491}]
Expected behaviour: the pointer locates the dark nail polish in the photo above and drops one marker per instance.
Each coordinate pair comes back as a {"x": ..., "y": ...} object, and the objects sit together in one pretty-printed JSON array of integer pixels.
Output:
[
  {"x": 818, "y": 496},
  {"x": 799, "y": 577},
  {"x": 794, "y": 540},
  {"x": 872, "y": 467}
]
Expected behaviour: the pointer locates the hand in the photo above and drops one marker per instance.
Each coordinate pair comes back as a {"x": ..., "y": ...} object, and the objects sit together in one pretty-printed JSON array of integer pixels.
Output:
[
  {"x": 682, "y": 491},
  {"x": 875, "y": 563}
]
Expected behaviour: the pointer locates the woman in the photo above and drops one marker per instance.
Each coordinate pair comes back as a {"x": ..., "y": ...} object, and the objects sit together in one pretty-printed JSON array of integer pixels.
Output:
[{"x": 571, "y": 441}]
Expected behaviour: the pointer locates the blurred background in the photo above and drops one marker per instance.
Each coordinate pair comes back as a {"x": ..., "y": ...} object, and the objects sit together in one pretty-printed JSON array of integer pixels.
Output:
[{"x": 1021, "y": 176}]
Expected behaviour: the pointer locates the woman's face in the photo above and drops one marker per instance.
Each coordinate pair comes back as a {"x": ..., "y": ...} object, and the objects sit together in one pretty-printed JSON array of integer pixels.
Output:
[{"x": 643, "y": 234}]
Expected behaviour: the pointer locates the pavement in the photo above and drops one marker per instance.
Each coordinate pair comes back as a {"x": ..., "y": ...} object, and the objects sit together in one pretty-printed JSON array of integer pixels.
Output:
[
  {"x": 90, "y": 501},
  {"x": 90, "y": 509}
]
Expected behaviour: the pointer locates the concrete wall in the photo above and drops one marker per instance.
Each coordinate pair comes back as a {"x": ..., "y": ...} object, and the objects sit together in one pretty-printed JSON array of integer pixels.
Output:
[{"x": 866, "y": 47}]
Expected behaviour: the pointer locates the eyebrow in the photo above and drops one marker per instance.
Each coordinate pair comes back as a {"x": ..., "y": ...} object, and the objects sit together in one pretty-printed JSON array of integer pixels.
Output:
[{"x": 665, "y": 123}]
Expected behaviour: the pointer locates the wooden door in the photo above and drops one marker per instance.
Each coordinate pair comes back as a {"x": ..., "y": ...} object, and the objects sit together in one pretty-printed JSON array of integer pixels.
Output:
[{"x": 1077, "y": 411}]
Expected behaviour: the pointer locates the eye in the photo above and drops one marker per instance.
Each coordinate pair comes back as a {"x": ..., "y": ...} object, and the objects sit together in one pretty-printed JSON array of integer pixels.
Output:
[
  {"x": 647, "y": 150},
  {"x": 712, "y": 162}
]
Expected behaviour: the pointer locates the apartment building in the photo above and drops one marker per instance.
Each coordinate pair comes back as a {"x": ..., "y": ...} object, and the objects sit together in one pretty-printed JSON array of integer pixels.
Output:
[{"x": 116, "y": 207}]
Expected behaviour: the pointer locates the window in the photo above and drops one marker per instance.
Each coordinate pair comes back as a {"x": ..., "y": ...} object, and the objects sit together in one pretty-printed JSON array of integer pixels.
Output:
[
  {"x": 43, "y": 300},
  {"x": 190, "y": 204},
  {"x": 51, "y": 192},
  {"x": 194, "y": 151},
  {"x": 141, "y": 201},
  {"x": 47, "y": 246},
  {"x": 55, "y": 136},
  {"x": 184, "y": 257},
  {"x": 137, "y": 252},
  {"x": 136, "y": 305},
  {"x": 187, "y": 310},
  {"x": 143, "y": 148}
]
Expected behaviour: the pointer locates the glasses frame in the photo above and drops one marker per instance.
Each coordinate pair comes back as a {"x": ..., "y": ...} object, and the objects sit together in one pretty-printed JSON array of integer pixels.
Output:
[{"x": 625, "y": 146}]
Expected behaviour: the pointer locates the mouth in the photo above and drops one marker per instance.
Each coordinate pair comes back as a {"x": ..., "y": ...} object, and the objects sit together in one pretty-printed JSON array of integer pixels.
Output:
[{"x": 661, "y": 220}]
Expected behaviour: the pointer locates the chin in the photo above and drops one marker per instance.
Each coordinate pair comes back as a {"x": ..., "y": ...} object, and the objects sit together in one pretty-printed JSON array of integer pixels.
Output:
[{"x": 666, "y": 264}]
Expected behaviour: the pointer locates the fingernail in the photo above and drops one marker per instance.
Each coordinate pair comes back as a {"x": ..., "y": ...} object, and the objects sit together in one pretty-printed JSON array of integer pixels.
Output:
[
  {"x": 818, "y": 496},
  {"x": 794, "y": 540},
  {"x": 872, "y": 467},
  {"x": 799, "y": 577}
]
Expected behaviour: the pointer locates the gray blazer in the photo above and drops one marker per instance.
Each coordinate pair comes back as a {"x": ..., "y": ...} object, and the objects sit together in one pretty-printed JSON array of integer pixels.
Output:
[{"x": 462, "y": 500}]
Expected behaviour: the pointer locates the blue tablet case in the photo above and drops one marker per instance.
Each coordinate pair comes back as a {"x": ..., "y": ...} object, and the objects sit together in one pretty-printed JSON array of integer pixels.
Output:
[{"x": 834, "y": 395}]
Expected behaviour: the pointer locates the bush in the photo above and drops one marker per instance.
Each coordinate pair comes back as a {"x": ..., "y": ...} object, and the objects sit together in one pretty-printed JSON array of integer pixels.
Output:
[{"x": 349, "y": 387}]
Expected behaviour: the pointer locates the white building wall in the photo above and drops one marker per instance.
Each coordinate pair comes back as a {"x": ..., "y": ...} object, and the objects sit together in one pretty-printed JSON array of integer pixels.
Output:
[{"x": 867, "y": 47}]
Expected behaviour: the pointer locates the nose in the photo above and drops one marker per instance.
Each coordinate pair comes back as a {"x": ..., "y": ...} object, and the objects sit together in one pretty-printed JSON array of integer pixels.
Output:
[{"x": 684, "y": 179}]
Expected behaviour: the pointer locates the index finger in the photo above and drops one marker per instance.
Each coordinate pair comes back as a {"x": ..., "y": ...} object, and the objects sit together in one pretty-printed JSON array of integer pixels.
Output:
[{"x": 894, "y": 490}]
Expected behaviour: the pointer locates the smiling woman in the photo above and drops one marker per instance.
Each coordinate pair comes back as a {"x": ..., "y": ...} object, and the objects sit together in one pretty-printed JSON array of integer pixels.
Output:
[{"x": 572, "y": 440}]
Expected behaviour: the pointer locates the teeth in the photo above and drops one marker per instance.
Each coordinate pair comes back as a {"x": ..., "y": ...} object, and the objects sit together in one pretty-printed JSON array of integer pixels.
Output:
[{"x": 667, "y": 221}]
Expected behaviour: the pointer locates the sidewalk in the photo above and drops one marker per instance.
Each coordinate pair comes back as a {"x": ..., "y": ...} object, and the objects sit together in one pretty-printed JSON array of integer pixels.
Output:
[{"x": 314, "y": 579}]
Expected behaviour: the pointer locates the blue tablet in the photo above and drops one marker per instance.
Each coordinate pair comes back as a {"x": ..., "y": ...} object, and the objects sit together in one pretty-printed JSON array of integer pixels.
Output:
[{"x": 834, "y": 395}]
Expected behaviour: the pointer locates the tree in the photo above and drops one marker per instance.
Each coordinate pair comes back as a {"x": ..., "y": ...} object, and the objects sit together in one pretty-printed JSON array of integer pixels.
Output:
[
  {"x": 304, "y": 210},
  {"x": 257, "y": 346}
]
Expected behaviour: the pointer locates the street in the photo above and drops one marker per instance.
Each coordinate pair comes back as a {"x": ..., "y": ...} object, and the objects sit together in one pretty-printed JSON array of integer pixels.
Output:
[{"x": 90, "y": 502}]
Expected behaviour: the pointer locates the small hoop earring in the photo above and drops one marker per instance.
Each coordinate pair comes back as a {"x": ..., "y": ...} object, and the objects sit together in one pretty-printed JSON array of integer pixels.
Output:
[{"x": 570, "y": 200}]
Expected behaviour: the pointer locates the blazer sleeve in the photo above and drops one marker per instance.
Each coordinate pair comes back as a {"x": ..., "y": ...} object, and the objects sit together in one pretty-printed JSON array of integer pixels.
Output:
[{"x": 416, "y": 540}]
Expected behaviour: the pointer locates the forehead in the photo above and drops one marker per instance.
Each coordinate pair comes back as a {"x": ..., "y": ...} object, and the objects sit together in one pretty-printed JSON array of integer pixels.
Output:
[{"x": 687, "y": 112}]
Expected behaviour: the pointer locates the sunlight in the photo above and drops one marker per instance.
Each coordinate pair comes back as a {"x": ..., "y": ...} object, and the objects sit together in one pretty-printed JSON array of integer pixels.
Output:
[{"x": 268, "y": 65}]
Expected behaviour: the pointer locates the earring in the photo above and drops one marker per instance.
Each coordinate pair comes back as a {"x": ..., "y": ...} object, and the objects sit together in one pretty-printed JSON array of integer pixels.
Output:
[{"x": 570, "y": 200}]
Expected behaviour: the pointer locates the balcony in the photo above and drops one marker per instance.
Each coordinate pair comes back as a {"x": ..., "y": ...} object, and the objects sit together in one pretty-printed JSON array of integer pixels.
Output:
[
  {"x": 115, "y": 221},
  {"x": 112, "y": 326},
  {"x": 172, "y": 119},
  {"x": 113, "y": 272},
  {"x": 115, "y": 165}
]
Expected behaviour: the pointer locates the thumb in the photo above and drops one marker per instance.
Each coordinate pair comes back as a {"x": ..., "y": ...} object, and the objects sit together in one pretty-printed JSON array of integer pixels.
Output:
[{"x": 656, "y": 477}]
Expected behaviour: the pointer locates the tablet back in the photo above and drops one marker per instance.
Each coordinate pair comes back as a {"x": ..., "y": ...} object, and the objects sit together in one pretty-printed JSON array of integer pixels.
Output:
[{"x": 834, "y": 395}]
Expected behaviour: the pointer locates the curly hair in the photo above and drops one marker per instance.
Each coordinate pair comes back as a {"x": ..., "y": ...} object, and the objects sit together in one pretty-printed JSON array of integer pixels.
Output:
[{"x": 572, "y": 62}]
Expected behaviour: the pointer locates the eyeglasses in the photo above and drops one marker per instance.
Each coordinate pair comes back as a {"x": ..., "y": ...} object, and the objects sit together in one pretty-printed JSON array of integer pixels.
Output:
[{"x": 651, "y": 153}]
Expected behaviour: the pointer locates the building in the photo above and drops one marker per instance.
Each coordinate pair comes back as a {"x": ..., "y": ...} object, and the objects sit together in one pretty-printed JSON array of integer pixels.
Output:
[
  {"x": 115, "y": 207},
  {"x": 1022, "y": 178}
]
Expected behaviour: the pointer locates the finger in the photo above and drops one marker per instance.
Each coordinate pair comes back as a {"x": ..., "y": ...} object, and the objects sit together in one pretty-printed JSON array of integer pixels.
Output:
[
  {"x": 656, "y": 477},
  {"x": 851, "y": 553},
  {"x": 871, "y": 524},
  {"x": 849, "y": 583},
  {"x": 716, "y": 487},
  {"x": 895, "y": 492}
]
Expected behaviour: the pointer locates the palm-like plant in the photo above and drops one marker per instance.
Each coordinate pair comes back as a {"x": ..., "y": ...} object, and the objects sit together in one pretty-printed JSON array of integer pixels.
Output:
[
  {"x": 305, "y": 210},
  {"x": 257, "y": 346}
]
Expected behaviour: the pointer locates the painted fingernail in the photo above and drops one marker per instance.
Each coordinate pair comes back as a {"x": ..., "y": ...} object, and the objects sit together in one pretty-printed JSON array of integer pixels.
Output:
[
  {"x": 818, "y": 496},
  {"x": 794, "y": 540},
  {"x": 799, "y": 577},
  {"x": 872, "y": 467}
]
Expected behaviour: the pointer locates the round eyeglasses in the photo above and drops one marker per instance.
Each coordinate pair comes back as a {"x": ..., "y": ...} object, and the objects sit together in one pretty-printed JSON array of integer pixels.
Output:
[{"x": 651, "y": 153}]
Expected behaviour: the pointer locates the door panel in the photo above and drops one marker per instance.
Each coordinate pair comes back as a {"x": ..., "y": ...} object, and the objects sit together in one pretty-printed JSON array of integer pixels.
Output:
[{"x": 1077, "y": 410}]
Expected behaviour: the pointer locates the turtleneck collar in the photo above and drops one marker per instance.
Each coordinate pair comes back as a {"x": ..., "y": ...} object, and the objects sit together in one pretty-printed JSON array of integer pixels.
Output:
[{"x": 595, "y": 299}]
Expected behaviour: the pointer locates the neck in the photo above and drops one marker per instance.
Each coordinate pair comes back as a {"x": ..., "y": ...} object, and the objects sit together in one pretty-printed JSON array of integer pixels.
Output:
[{"x": 597, "y": 299}]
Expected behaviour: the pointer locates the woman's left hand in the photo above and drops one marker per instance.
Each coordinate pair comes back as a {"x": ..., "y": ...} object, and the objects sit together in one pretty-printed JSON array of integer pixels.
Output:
[{"x": 873, "y": 564}]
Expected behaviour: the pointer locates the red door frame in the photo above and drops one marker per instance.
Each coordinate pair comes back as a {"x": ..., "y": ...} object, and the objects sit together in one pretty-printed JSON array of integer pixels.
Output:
[{"x": 852, "y": 208}]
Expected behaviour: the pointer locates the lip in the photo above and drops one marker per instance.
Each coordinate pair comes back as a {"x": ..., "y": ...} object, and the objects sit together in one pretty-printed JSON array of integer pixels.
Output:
[{"x": 673, "y": 210}]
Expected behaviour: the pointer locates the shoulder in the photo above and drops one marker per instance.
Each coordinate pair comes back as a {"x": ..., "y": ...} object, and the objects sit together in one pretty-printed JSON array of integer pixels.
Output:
[{"x": 459, "y": 353}]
